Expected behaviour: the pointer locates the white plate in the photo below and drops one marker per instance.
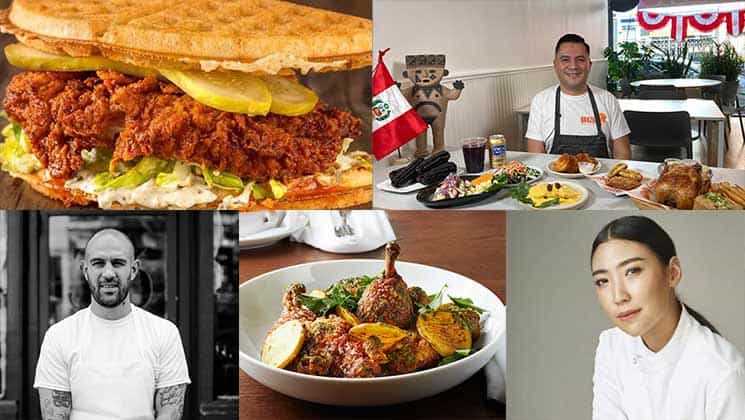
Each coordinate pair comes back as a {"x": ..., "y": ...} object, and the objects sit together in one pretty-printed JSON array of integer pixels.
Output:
[
  {"x": 273, "y": 235},
  {"x": 572, "y": 176},
  {"x": 581, "y": 202},
  {"x": 260, "y": 305},
  {"x": 387, "y": 186}
]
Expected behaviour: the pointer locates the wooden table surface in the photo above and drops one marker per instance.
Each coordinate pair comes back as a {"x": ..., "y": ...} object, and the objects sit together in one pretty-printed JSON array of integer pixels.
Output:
[{"x": 467, "y": 242}]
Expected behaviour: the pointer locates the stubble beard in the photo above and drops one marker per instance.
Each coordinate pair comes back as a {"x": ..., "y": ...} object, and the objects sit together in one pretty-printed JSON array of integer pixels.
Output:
[{"x": 111, "y": 302}]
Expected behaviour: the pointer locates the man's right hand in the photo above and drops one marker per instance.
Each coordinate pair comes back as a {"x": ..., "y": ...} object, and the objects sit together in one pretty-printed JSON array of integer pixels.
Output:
[{"x": 55, "y": 405}]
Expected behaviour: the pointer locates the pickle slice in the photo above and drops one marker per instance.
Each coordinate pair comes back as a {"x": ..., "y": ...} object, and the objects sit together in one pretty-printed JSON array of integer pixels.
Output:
[
  {"x": 28, "y": 58},
  {"x": 289, "y": 97},
  {"x": 227, "y": 91}
]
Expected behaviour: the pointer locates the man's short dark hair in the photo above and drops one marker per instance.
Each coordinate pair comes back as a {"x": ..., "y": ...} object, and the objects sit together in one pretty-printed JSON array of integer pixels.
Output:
[{"x": 574, "y": 39}]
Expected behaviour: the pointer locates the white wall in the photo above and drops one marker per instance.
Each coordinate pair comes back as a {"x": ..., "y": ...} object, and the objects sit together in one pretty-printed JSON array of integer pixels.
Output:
[{"x": 501, "y": 49}]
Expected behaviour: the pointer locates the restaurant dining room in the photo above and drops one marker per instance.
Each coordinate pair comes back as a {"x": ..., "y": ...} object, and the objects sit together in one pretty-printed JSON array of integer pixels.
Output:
[{"x": 559, "y": 104}]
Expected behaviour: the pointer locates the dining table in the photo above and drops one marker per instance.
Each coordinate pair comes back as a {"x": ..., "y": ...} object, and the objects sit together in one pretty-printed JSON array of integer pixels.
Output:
[
  {"x": 698, "y": 109},
  {"x": 599, "y": 199},
  {"x": 678, "y": 83},
  {"x": 479, "y": 255}
]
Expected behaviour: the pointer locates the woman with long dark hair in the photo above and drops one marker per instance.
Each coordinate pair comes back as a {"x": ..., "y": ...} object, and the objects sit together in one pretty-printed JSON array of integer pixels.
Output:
[{"x": 662, "y": 361}]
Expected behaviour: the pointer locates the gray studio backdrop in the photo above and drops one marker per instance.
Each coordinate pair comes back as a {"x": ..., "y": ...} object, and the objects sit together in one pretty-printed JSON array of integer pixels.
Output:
[{"x": 554, "y": 319}]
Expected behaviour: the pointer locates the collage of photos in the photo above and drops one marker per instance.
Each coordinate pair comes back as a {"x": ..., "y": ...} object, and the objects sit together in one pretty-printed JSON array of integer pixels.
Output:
[{"x": 310, "y": 209}]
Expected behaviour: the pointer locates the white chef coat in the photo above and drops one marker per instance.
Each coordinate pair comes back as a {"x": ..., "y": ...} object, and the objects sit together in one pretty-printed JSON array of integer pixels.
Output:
[
  {"x": 698, "y": 375},
  {"x": 111, "y": 368},
  {"x": 577, "y": 117}
]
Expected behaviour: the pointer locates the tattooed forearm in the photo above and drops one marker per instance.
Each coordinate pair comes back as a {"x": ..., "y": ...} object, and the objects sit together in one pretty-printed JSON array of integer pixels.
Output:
[
  {"x": 62, "y": 399},
  {"x": 169, "y": 402},
  {"x": 55, "y": 405}
]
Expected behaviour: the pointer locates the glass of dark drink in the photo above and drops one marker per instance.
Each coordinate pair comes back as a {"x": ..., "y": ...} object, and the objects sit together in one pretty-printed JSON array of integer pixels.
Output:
[{"x": 474, "y": 153}]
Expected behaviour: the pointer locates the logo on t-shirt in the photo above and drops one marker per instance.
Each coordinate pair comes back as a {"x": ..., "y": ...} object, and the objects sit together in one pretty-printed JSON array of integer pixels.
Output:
[{"x": 589, "y": 119}]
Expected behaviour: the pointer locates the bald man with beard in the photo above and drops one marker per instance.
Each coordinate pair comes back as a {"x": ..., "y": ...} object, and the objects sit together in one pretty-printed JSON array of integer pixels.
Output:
[{"x": 111, "y": 360}]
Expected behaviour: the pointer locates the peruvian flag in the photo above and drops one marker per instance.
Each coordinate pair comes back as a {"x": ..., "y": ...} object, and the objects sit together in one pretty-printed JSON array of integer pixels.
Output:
[{"x": 394, "y": 121}]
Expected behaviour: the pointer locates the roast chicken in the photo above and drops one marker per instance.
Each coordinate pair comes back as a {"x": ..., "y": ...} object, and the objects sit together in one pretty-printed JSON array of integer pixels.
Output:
[{"x": 679, "y": 184}]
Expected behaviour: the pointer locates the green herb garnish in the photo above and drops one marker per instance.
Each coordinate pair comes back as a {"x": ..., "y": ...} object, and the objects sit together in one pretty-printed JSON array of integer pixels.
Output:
[
  {"x": 497, "y": 182},
  {"x": 466, "y": 303},
  {"x": 520, "y": 192},
  {"x": 459, "y": 354},
  {"x": 434, "y": 302},
  {"x": 549, "y": 203},
  {"x": 338, "y": 295}
]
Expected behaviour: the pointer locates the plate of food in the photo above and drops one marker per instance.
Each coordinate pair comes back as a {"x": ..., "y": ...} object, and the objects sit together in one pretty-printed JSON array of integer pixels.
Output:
[
  {"x": 366, "y": 332},
  {"x": 553, "y": 195},
  {"x": 574, "y": 166},
  {"x": 686, "y": 185},
  {"x": 518, "y": 172},
  {"x": 621, "y": 179},
  {"x": 419, "y": 173},
  {"x": 457, "y": 190}
]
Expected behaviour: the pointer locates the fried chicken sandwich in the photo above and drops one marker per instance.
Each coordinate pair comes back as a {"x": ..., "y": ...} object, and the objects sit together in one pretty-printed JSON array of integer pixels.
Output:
[{"x": 176, "y": 104}]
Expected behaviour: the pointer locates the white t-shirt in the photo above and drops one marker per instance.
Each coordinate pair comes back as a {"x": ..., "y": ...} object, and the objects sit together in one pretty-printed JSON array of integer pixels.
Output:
[
  {"x": 576, "y": 116},
  {"x": 111, "y": 340},
  {"x": 698, "y": 375}
]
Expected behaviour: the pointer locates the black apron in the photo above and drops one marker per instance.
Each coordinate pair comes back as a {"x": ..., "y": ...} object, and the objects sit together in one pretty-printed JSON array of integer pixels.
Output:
[{"x": 596, "y": 145}]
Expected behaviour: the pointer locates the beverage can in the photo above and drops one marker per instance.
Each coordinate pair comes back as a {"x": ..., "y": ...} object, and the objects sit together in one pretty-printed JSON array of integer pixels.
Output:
[{"x": 497, "y": 150}]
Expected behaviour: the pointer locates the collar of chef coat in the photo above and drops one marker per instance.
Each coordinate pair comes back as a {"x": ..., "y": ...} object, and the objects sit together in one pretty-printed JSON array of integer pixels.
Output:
[{"x": 649, "y": 361}]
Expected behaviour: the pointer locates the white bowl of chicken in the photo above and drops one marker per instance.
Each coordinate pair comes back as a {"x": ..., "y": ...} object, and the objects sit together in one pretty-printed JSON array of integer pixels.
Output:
[{"x": 363, "y": 365}]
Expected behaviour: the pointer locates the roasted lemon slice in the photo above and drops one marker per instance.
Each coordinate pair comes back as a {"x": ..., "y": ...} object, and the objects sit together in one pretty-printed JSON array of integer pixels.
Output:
[
  {"x": 229, "y": 91},
  {"x": 347, "y": 315},
  {"x": 444, "y": 332},
  {"x": 283, "y": 344},
  {"x": 388, "y": 334},
  {"x": 289, "y": 97},
  {"x": 28, "y": 58}
]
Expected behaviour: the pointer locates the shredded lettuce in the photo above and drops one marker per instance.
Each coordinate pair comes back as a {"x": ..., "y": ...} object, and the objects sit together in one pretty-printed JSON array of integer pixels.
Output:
[
  {"x": 15, "y": 151},
  {"x": 277, "y": 189},
  {"x": 222, "y": 179},
  {"x": 97, "y": 159},
  {"x": 178, "y": 176},
  {"x": 147, "y": 168},
  {"x": 258, "y": 192}
]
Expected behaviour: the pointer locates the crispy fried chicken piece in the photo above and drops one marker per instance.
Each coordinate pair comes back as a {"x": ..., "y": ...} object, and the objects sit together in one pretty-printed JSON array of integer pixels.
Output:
[
  {"x": 65, "y": 113},
  {"x": 387, "y": 299}
]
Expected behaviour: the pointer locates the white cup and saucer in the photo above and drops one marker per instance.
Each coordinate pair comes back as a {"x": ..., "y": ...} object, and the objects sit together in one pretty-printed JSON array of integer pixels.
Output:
[{"x": 263, "y": 228}]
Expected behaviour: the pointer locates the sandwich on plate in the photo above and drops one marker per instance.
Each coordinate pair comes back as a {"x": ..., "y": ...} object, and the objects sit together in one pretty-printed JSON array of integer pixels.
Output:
[{"x": 182, "y": 104}]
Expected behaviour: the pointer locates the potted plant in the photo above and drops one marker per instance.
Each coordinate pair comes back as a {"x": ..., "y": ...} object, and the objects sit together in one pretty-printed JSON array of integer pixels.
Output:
[
  {"x": 625, "y": 65},
  {"x": 672, "y": 60},
  {"x": 722, "y": 59}
]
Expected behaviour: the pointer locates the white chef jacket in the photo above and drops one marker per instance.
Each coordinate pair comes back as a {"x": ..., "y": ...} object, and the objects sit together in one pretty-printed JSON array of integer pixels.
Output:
[
  {"x": 111, "y": 367},
  {"x": 698, "y": 375}
]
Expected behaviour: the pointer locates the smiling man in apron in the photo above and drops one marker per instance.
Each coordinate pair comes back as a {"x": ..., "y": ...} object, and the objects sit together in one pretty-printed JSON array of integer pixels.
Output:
[
  {"x": 111, "y": 360},
  {"x": 573, "y": 117}
]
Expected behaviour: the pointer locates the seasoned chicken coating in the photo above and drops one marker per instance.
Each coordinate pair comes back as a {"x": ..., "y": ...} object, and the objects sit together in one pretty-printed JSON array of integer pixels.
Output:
[
  {"x": 330, "y": 351},
  {"x": 292, "y": 308},
  {"x": 64, "y": 113},
  {"x": 410, "y": 354},
  {"x": 387, "y": 299}
]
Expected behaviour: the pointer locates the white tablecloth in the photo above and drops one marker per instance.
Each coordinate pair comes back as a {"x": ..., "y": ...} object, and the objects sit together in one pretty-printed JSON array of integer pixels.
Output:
[{"x": 599, "y": 199}]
